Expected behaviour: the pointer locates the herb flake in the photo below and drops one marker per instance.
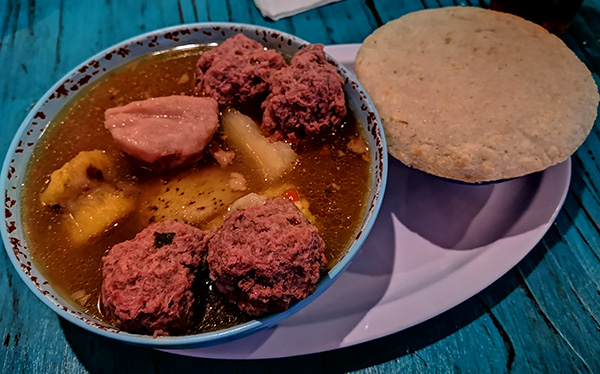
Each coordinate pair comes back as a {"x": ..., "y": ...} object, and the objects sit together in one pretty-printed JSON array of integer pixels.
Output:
[{"x": 163, "y": 238}]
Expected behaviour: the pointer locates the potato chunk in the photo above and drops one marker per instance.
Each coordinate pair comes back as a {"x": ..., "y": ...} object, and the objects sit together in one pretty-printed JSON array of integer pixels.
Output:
[{"x": 270, "y": 158}]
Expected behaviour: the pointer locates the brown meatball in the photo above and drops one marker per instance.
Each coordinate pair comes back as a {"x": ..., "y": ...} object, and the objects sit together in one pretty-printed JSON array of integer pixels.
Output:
[
  {"x": 237, "y": 71},
  {"x": 306, "y": 99},
  {"x": 147, "y": 281},
  {"x": 265, "y": 257}
]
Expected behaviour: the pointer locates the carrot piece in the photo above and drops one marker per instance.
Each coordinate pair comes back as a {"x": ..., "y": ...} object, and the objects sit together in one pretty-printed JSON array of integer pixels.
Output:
[{"x": 291, "y": 195}]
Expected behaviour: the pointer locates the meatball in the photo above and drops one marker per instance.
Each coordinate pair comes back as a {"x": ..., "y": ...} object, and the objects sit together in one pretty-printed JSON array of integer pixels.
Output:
[
  {"x": 147, "y": 281},
  {"x": 306, "y": 99},
  {"x": 266, "y": 256},
  {"x": 237, "y": 71}
]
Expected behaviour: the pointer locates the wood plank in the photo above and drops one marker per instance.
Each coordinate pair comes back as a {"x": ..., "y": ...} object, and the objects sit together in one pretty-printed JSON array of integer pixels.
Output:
[
  {"x": 541, "y": 317},
  {"x": 25, "y": 323},
  {"x": 390, "y": 9}
]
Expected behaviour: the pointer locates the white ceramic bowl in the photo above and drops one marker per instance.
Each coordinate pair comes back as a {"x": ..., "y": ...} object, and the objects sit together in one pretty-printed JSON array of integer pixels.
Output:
[{"x": 50, "y": 104}]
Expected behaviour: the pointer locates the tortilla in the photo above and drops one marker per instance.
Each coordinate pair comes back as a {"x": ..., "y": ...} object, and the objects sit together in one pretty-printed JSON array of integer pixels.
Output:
[{"x": 476, "y": 95}]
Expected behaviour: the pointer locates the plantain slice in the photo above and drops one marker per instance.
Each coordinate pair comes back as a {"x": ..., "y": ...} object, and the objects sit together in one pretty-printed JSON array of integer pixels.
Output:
[
  {"x": 84, "y": 172},
  {"x": 89, "y": 201},
  {"x": 93, "y": 213},
  {"x": 199, "y": 197}
]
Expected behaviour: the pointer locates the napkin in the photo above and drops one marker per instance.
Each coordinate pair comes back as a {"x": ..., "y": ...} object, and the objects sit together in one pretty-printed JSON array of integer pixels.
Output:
[{"x": 277, "y": 9}]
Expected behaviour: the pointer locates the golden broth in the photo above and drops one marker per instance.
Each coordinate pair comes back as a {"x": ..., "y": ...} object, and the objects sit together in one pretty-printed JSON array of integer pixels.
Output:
[{"x": 334, "y": 180}]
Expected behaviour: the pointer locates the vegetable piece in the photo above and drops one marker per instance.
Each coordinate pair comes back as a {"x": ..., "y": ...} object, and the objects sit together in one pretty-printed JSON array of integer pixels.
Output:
[
  {"x": 85, "y": 170},
  {"x": 222, "y": 156},
  {"x": 90, "y": 202},
  {"x": 252, "y": 199},
  {"x": 291, "y": 195},
  {"x": 195, "y": 197},
  {"x": 271, "y": 158},
  {"x": 357, "y": 145},
  {"x": 238, "y": 182},
  {"x": 93, "y": 213}
]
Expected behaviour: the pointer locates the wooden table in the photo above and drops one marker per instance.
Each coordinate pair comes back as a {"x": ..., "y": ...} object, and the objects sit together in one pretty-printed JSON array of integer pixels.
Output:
[{"x": 542, "y": 316}]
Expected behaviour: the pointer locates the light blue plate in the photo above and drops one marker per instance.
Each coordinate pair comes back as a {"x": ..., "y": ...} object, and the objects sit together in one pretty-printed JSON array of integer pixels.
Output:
[{"x": 50, "y": 104}]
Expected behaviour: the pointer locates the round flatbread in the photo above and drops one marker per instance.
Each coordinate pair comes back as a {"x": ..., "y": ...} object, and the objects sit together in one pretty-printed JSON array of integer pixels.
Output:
[{"x": 476, "y": 95}]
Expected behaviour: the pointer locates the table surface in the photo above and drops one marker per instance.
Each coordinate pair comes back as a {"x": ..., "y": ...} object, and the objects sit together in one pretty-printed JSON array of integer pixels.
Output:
[{"x": 542, "y": 316}]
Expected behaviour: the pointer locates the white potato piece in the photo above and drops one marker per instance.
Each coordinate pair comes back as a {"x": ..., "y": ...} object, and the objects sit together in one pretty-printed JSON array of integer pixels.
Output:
[{"x": 270, "y": 158}]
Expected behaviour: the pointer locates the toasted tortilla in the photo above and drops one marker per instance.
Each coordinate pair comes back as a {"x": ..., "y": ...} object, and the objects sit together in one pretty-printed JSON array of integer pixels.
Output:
[{"x": 476, "y": 95}]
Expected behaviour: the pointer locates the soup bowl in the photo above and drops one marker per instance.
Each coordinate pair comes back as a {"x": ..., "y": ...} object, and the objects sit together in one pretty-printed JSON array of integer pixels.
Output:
[{"x": 40, "y": 117}]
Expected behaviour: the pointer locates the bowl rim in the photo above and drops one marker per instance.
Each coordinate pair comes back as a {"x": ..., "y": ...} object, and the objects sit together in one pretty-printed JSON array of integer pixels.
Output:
[{"x": 209, "y": 338}]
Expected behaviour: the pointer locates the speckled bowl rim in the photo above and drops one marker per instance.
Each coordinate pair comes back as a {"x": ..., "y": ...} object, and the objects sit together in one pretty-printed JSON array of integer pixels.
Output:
[{"x": 36, "y": 122}]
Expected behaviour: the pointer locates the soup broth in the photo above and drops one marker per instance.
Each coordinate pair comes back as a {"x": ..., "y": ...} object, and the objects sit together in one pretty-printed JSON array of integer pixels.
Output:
[{"x": 334, "y": 181}]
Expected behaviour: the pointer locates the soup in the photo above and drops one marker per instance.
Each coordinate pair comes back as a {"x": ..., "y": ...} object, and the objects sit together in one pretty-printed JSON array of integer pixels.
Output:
[{"x": 333, "y": 180}]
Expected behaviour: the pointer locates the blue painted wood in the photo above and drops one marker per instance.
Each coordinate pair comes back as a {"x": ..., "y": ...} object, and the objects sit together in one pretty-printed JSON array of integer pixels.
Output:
[{"x": 542, "y": 316}]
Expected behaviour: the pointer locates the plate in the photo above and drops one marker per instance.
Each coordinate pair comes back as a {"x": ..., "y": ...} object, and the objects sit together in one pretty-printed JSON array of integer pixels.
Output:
[{"x": 435, "y": 244}]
